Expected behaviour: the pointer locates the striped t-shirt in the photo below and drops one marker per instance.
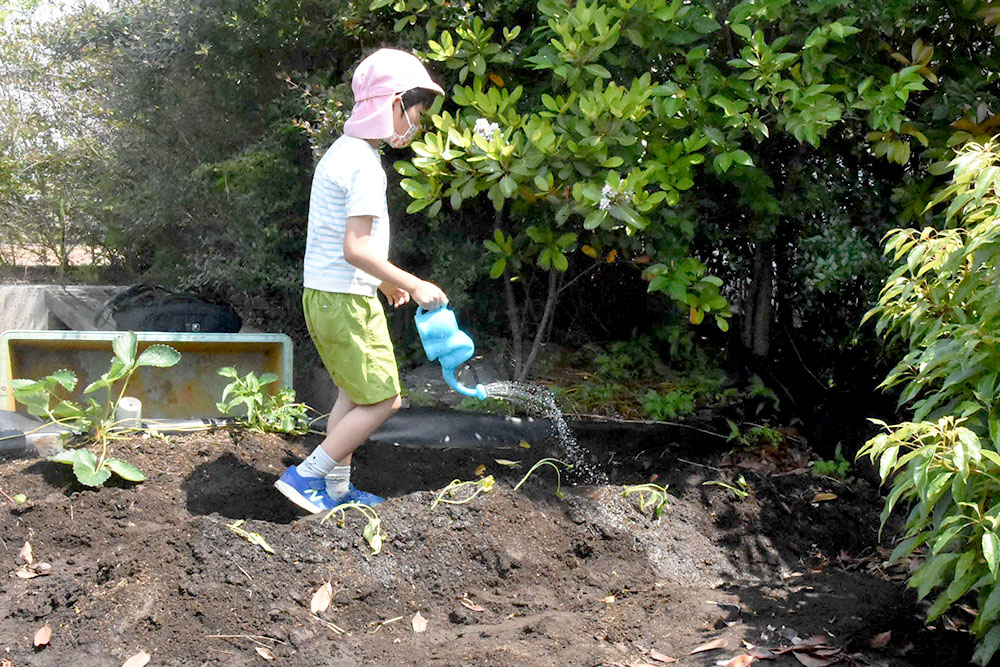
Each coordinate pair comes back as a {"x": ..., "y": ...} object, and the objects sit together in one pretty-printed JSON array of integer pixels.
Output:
[{"x": 349, "y": 181}]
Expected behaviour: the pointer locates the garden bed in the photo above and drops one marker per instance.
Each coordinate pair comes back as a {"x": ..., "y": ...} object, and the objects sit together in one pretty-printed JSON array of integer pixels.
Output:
[{"x": 510, "y": 578}]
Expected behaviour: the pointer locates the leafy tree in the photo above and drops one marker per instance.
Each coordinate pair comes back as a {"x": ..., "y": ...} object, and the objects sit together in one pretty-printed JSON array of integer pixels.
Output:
[{"x": 945, "y": 463}]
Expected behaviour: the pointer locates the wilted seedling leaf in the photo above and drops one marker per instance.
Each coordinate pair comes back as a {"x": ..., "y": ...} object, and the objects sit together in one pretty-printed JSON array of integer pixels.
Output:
[
  {"x": 42, "y": 636},
  {"x": 322, "y": 598},
  {"x": 480, "y": 469},
  {"x": 252, "y": 538},
  {"x": 508, "y": 463},
  {"x": 140, "y": 659},
  {"x": 419, "y": 623},
  {"x": 524, "y": 444}
]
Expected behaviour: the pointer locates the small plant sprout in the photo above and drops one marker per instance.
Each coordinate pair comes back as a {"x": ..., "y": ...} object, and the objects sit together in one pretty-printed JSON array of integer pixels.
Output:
[
  {"x": 17, "y": 498},
  {"x": 373, "y": 529},
  {"x": 651, "y": 496},
  {"x": 837, "y": 467},
  {"x": 554, "y": 464},
  {"x": 252, "y": 538},
  {"x": 739, "y": 488},
  {"x": 483, "y": 485},
  {"x": 95, "y": 420}
]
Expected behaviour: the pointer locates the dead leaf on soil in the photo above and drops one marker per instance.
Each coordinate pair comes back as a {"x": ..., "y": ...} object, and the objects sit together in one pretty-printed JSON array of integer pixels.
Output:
[
  {"x": 810, "y": 660},
  {"x": 265, "y": 653},
  {"x": 880, "y": 640},
  {"x": 42, "y": 636},
  {"x": 140, "y": 659},
  {"x": 823, "y": 496},
  {"x": 480, "y": 469},
  {"x": 709, "y": 646},
  {"x": 608, "y": 600},
  {"x": 419, "y": 622},
  {"x": 660, "y": 657},
  {"x": 25, "y": 553},
  {"x": 322, "y": 598},
  {"x": 469, "y": 604},
  {"x": 740, "y": 661},
  {"x": 524, "y": 444},
  {"x": 761, "y": 653},
  {"x": 812, "y": 642},
  {"x": 508, "y": 463}
]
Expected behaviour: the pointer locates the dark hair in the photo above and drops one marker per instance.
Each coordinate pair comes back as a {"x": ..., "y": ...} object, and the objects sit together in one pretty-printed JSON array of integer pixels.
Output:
[{"x": 418, "y": 97}]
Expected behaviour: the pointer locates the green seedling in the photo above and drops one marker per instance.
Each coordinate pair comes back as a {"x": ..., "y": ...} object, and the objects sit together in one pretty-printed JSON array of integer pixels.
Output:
[
  {"x": 49, "y": 398},
  {"x": 252, "y": 538},
  {"x": 483, "y": 485},
  {"x": 837, "y": 467},
  {"x": 264, "y": 413},
  {"x": 373, "y": 529},
  {"x": 740, "y": 488},
  {"x": 651, "y": 496},
  {"x": 554, "y": 464}
]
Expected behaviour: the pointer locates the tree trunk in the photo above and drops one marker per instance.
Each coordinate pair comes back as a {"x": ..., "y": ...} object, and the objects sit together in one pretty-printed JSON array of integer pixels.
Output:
[
  {"x": 758, "y": 307},
  {"x": 550, "y": 307}
]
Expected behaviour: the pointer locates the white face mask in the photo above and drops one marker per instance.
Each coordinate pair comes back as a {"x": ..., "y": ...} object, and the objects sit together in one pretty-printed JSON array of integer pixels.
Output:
[{"x": 402, "y": 140}]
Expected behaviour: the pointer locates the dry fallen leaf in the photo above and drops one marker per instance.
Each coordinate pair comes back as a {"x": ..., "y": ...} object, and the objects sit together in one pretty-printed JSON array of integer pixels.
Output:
[
  {"x": 419, "y": 623},
  {"x": 25, "y": 573},
  {"x": 322, "y": 598},
  {"x": 740, "y": 661},
  {"x": 25, "y": 553},
  {"x": 43, "y": 635},
  {"x": 469, "y": 604},
  {"x": 761, "y": 653},
  {"x": 660, "y": 657},
  {"x": 823, "y": 496},
  {"x": 480, "y": 469},
  {"x": 812, "y": 661},
  {"x": 880, "y": 640},
  {"x": 524, "y": 444},
  {"x": 140, "y": 659},
  {"x": 709, "y": 646},
  {"x": 508, "y": 463},
  {"x": 264, "y": 652}
]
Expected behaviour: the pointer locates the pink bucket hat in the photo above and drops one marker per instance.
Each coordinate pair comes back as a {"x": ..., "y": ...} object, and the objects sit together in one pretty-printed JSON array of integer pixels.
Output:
[{"x": 377, "y": 80}]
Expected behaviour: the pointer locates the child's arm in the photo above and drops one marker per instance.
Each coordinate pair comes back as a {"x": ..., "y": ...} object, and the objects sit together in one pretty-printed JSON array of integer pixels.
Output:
[{"x": 357, "y": 253}]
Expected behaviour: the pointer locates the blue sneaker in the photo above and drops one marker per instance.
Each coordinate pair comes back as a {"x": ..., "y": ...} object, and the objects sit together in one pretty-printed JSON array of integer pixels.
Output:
[
  {"x": 357, "y": 496},
  {"x": 309, "y": 493}
]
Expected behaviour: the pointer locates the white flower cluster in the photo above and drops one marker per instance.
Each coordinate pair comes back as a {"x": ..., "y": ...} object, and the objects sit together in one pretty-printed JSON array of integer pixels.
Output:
[
  {"x": 485, "y": 128},
  {"x": 611, "y": 196}
]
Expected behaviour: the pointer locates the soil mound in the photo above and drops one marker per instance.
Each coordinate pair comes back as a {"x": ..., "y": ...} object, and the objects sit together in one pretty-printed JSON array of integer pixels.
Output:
[{"x": 510, "y": 578}]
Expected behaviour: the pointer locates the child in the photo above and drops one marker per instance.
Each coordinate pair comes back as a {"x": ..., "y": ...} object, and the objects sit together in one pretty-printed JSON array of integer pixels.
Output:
[{"x": 347, "y": 249}]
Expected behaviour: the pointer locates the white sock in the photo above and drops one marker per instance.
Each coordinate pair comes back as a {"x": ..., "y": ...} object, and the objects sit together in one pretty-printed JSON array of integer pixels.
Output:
[
  {"x": 338, "y": 481},
  {"x": 317, "y": 464}
]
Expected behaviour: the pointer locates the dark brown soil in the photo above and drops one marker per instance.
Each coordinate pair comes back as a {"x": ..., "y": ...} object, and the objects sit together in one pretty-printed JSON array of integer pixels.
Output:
[{"x": 511, "y": 578}]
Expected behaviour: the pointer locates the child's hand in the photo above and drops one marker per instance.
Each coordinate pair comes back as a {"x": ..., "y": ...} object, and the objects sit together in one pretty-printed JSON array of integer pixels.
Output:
[
  {"x": 429, "y": 296},
  {"x": 396, "y": 295}
]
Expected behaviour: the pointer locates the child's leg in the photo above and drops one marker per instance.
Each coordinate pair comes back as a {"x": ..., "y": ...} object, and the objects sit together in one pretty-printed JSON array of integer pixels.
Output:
[{"x": 351, "y": 430}]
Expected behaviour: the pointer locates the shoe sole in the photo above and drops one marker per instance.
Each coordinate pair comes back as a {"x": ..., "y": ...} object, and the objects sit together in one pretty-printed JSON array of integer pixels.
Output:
[{"x": 289, "y": 492}]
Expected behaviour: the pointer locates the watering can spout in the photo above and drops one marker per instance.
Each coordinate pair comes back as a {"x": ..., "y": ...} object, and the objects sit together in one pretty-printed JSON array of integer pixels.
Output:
[
  {"x": 449, "y": 376},
  {"x": 444, "y": 342}
]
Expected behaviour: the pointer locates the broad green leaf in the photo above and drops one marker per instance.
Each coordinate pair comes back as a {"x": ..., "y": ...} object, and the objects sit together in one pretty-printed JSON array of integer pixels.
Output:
[
  {"x": 160, "y": 356},
  {"x": 991, "y": 550},
  {"x": 88, "y": 475},
  {"x": 125, "y": 470},
  {"x": 124, "y": 347}
]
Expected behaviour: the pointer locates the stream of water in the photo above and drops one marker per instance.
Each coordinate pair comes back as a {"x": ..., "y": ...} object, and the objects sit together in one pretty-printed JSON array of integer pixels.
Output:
[{"x": 539, "y": 400}]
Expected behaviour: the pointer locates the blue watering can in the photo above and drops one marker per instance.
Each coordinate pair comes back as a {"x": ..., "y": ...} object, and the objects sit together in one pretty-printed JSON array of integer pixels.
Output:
[{"x": 450, "y": 346}]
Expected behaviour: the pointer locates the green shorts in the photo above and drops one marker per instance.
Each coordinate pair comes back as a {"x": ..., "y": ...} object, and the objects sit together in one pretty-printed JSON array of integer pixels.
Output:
[{"x": 352, "y": 338}]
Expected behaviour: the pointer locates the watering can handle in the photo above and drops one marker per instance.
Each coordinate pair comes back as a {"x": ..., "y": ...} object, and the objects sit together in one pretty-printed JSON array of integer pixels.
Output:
[{"x": 421, "y": 311}]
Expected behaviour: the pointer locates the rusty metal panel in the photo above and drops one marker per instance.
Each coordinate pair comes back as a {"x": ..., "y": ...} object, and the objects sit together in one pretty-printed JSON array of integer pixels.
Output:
[{"x": 188, "y": 390}]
